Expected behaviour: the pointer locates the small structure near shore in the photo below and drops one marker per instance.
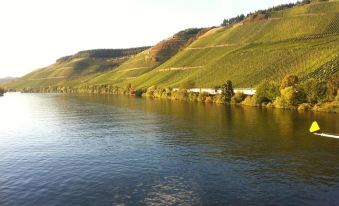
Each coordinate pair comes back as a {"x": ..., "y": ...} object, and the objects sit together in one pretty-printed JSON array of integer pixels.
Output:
[{"x": 246, "y": 91}]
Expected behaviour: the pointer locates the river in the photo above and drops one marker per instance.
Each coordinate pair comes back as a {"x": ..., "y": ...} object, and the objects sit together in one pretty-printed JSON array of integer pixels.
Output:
[{"x": 72, "y": 150}]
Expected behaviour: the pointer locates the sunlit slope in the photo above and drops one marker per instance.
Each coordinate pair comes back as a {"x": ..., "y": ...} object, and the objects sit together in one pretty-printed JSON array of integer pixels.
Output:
[
  {"x": 303, "y": 40},
  {"x": 149, "y": 59},
  {"x": 298, "y": 41},
  {"x": 76, "y": 69}
]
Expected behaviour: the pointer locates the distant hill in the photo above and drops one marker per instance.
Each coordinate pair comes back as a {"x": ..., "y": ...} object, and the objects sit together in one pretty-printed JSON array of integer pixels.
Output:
[
  {"x": 76, "y": 69},
  {"x": 6, "y": 79},
  {"x": 300, "y": 39}
]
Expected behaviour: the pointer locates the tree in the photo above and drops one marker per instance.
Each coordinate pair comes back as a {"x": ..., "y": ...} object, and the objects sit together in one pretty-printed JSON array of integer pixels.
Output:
[
  {"x": 227, "y": 91},
  {"x": 267, "y": 91},
  {"x": 234, "y": 20},
  {"x": 315, "y": 90},
  {"x": 2, "y": 91},
  {"x": 289, "y": 81},
  {"x": 289, "y": 96},
  {"x": 333, "y": 86}
]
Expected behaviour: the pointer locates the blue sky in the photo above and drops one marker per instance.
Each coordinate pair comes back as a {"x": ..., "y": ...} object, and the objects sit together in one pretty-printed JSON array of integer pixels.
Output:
[{"x": 35, "y": 33}]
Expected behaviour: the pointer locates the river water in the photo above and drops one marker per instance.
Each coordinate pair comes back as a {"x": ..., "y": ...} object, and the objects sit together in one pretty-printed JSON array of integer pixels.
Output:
[{"x": 116, "y": 150}]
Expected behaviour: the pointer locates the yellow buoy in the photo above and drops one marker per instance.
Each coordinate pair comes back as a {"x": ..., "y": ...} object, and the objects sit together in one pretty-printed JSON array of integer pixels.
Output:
[{"x": 314, "y": 127}]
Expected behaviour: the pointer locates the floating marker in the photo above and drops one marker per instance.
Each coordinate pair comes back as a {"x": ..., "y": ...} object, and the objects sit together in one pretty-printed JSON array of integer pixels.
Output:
[{"x": 315, "y": 128}]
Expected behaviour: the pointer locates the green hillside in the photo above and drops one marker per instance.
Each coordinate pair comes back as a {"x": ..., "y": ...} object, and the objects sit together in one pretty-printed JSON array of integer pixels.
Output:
[
  {"x": 302, "y": 40},
  {"x": 76, "y": 69},
  {"x": 148, "y": 60}
]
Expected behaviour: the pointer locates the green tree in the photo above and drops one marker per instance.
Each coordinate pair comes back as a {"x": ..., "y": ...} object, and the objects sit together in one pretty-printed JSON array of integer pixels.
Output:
[
  {"x": 333, "y": 86},
  {"x": 2, "y": 91},
  {"x": 289, "y": 81},
  {"x": 315, "y": 90},
  {"x": 227, "y": 91},
  {"x": 267, "y": 91}
]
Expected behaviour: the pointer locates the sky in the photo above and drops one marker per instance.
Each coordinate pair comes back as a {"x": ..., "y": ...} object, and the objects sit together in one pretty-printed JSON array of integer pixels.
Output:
[{"x": 35, "y": 33}]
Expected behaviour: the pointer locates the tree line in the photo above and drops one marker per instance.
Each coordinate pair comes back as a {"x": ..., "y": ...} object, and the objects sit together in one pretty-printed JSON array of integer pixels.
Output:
[
  {"x": 266, "y": 12},
  {"x": 289, "y": 93},
  {"x": 104, "y": 53}
]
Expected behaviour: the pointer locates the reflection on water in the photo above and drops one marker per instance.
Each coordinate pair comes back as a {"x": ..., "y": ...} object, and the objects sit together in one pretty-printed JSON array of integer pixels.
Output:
[{"x": 100, "y": 150}]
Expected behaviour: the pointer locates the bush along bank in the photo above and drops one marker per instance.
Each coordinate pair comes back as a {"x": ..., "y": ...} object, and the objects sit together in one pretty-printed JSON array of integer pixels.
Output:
[
  {"x": 290, "y": 93},
  {"x": 309, "y": 95}
]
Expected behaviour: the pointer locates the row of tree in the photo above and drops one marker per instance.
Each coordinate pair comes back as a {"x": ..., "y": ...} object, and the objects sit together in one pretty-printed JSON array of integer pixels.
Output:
[
  {"x": 104, "y": 53},
  {"x": 241, "y": 17},
  {"x": 291, "y": 93}
]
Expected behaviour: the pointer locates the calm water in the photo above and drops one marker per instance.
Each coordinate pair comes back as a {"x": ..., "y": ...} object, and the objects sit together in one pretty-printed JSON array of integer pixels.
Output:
[{"x": 90, "y": 150}]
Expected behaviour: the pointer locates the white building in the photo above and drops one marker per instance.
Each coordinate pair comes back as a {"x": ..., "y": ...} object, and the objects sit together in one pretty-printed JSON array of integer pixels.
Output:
[{"x": 247, "y": 91}]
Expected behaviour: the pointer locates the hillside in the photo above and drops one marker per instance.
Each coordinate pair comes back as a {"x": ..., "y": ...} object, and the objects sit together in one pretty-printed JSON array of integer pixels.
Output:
[
  {"x": 302, "y": 40},
  {"x": 149, "y": 59},
  {"x": 6, "y": 79},
  {"x": 76, "y": 69}
]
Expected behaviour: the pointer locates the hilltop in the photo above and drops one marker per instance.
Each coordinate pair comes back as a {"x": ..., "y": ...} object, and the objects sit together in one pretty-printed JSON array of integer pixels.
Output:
[
  {"x": 6, "y": 79},
  {"x": 300, "y": 39}
]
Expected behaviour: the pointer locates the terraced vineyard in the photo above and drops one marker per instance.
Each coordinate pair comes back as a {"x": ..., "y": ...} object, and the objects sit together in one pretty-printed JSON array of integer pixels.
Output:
[{"x": 303, "y": 40}]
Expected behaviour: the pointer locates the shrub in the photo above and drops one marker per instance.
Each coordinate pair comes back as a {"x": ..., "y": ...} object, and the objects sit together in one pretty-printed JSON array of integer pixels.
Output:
[
  {"x": 2, "y": 91},
  {"x": 209, "y": 99},
  {"x": 193, "y": 97},
  {"x": 219, "y": 99},
  {"x": 333, "y": 86},
  {"x": 327, "y": 107},
  {"x": 250, "y": 101},
  {"x": 150, "y": 91},
  {"x": 267, "y": 91},
  {"x": 290, "y": 97},
  {"x": 316, "y": 91},
  {"x": 202, "y": 96},
  {"x": 305, "y": 107},
  {"x": 158, "y": 93},
  {"x": 289, "y": 81},
  {"x": 286, "y": 98},
  {"x": 180, "y": 95},
  {"x": 166, "y": 93},
  {"x": 139, "y": 92},
  {"x": 238, "y": 98}
]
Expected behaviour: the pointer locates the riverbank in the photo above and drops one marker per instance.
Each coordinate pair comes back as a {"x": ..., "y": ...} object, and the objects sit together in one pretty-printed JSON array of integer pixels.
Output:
[{"x": 240, "y": 99}]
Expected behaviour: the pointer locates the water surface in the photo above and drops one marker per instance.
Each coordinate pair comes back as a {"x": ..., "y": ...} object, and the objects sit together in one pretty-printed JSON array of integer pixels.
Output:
[{"x": 115, "y": 150}]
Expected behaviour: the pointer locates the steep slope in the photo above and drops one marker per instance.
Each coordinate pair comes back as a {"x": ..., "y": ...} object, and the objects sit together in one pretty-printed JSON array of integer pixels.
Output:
[
  {"x": 149, "y": 59},
  {"x": 75, "y": 69},
  {"x": 299, "y": 40},
  {"x": 302, "y": 40}
]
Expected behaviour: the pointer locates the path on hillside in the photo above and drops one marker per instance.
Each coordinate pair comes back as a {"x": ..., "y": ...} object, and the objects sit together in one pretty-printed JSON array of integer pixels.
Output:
[
  {"x": 179, "y": 68},
  {"x": 132, "y": 69}
]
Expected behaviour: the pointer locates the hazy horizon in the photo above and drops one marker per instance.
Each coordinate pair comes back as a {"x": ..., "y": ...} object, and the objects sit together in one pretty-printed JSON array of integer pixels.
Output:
[{"x": 36, "y": 33}]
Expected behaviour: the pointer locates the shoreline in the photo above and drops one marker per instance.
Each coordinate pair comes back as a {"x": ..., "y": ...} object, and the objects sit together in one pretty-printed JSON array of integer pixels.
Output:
[{"x": 180, "y": 95}]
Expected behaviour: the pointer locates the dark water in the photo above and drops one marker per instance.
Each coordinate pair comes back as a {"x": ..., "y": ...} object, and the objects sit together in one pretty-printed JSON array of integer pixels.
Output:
[{"x": 89, "y": 150}]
